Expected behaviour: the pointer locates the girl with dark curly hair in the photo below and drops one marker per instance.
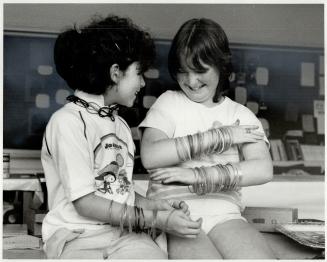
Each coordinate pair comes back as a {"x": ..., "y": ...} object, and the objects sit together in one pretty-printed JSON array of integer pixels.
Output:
[{"x": 88, "y": 151}]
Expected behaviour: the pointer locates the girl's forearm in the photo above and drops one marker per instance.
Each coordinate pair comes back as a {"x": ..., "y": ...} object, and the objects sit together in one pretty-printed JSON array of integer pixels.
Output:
[
  {"x": 256, "y": 172},
  {"x": 117, "y": 214},
  {"x": 159, "y": 153},
  {"x": 253, "y": 172}
]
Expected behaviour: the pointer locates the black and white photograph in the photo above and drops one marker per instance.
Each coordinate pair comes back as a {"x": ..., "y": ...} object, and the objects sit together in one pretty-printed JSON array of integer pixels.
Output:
[{"x": 163, "y": 130}]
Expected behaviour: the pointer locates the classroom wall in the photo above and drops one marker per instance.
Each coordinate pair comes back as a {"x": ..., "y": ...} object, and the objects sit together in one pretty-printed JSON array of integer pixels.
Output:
[{"x": 272, "y": 24}]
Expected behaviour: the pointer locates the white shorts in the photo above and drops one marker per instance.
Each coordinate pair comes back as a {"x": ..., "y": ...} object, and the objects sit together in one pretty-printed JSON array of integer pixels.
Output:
[
  {"x": 102, "y": 244},
  {"x": 213, "y": 212}
]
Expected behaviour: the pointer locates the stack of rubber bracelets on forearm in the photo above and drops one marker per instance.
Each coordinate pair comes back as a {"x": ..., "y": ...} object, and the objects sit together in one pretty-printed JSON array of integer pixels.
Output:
[
  {"x": 227, "y": 177},
  {"x": 137, "y": 223},
  {"x": 193, "y": 146}
]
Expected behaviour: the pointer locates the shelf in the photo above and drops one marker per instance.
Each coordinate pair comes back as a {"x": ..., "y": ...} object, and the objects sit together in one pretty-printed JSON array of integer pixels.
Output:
[
  {"x": 298, "y": 178},
  {"x": 299, "y": 162},
  {"x": 277, "y": 177}
]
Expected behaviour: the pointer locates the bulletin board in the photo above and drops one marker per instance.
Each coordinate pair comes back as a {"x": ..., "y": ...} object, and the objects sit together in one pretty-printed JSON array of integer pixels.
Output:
[{"x": 33, "y": 90}]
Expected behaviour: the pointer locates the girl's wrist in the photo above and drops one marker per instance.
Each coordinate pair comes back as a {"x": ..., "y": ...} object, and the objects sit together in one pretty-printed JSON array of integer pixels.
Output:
[
  {"x": 192, "y": 170},
  {"x": 152, "y": 219}
]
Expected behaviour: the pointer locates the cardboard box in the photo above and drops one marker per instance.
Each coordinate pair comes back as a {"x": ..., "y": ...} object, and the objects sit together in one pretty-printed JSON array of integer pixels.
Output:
[
  {"x": 265, "y": 218},
  {"x": 10, "y": 230}
]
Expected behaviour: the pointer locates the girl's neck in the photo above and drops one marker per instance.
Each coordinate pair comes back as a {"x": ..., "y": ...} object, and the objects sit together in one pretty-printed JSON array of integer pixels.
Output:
[
  {"x": 211, "y": 103},
  {"x": 109, "y": 96}
]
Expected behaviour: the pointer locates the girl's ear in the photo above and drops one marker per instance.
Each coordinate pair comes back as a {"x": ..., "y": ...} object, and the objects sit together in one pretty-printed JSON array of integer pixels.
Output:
[{"x": 115, "y": 73}]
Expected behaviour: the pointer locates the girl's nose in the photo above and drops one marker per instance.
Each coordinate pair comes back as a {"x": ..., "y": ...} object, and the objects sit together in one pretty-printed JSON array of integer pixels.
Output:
[
  {"x": 142, "y": 82},
  {"x": 192, "y": 79}
]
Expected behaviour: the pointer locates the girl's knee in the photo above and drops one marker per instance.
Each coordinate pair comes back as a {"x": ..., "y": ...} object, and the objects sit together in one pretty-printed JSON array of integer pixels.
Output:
[
  {"x": 236, "y": 239},
  {"x": 198, "y": 248}
]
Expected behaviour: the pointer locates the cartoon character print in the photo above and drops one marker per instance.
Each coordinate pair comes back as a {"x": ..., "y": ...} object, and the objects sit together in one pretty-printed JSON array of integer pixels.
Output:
[
  {"x": 124, "y": 184},
  {"x": 108, "y": 175}
]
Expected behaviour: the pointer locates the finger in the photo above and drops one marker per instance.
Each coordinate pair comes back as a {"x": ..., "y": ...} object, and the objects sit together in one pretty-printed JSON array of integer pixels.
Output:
[
  {"x": 160, "y": 176},
  {"x": 237, "y": 123},
  {"x": 187, "y": 212},
  {"x": 187, "y": 231},
  {"x": 258, "y": 138},
  {"x": 193, "y": 224},
  {"x": 168, "y": 180},
  {"x": 176, "y": 203},
  {"x": 155, "y": 178},
  {"x": 183, "y": 206},
  {"x": 180, "y": 205},
  {"x": 252, "y": 127},
  {"x": 257, "y": 133},
  {"x": 153, "y": 170},
  {"x": 171, "y": 202},
  {"x": 254, "y": 138},
  {"x": 156, "y": 172},
  {"x": 192, "y": 231},
  {"x": 154, "y": 175}
]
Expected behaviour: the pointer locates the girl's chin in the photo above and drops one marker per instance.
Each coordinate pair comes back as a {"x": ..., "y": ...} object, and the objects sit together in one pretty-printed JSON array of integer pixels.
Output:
[{"x": 195, "y": 98}]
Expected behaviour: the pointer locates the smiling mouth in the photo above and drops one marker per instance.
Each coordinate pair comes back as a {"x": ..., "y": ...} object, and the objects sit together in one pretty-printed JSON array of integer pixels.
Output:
[{"x": 196, "y": 88}]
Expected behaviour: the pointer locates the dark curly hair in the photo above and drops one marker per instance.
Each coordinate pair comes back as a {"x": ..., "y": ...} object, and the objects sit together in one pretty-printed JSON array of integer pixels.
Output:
[
  {"x": 205, "y": 40},
  {"x": 83, "y": 57}
]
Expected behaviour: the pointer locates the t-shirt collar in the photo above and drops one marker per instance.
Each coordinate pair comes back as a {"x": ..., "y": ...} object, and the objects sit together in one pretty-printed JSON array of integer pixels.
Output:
[{"x": 98, "y": 99}]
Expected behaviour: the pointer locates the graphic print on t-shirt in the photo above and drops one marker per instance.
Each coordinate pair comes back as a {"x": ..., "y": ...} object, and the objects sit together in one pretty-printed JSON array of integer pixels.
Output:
[
  {"x": 113, "y": 178},
  {"x": 107, "y": 176},
  {"x": 113, "y": 173}
]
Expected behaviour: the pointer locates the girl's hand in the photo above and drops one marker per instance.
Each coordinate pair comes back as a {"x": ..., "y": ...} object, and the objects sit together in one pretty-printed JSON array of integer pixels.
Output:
[
  {"x": 159, "y": 204},
  {"x": 179, "y": 224},
  {"x": 173, "y": 174},
  {"x": 178, "y": 204},
  {"x": 163, "y": 204},
  {"x": 245, "y": 133}
]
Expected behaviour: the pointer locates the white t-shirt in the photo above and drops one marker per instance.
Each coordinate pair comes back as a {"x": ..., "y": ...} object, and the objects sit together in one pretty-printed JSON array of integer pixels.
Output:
[
  {"x": 84, "y": 153},
  {"x": 176, "y": 115}
]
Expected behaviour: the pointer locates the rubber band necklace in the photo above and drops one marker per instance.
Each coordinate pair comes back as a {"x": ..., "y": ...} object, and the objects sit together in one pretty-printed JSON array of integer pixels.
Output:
[{"x": 94, "y": 108}]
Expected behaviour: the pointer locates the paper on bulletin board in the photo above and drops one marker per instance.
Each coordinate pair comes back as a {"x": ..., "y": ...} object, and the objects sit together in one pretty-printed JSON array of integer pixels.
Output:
[
  {"x": 240, "y": 95},
  {"x": 318, "y": 108},
  {"x": 321, "y": 85},
  {"x": 307, "y": 74},
  {"x": 319, "y": 114},
  {"x": 308, "y": 123},
  {"x": 321, "y": 125},
  {"x": 321, "y": 65},
  {"x": 261, "y": 76}
]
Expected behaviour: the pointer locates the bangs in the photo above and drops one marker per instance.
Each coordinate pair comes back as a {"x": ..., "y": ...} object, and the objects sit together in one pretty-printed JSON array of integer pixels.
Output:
[{"x": 195, "y": 54}]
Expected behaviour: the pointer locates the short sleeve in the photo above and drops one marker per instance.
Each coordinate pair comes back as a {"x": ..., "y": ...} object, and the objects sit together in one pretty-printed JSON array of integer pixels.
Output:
[
  {"x": 160, "y": 115},
  {"x": 69, "y": 150},
  {"x": 247, "y": 117}
]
